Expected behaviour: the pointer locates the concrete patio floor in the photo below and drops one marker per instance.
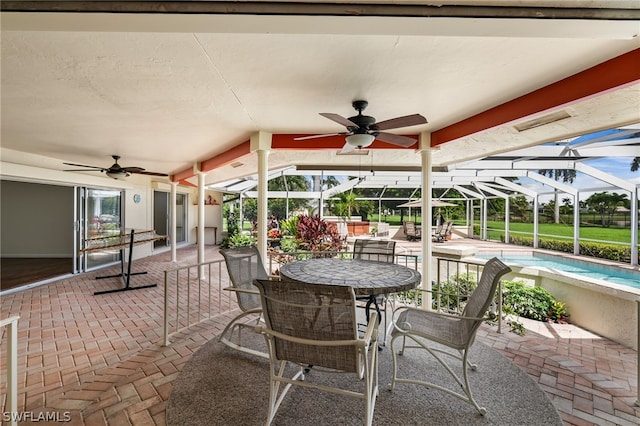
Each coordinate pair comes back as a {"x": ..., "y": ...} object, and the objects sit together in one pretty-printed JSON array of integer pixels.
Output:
[{"x": 100, "y": 358}]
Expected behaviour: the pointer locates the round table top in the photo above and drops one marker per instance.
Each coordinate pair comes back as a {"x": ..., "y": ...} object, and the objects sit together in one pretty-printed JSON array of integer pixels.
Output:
[{"x": 364, "y": 276}]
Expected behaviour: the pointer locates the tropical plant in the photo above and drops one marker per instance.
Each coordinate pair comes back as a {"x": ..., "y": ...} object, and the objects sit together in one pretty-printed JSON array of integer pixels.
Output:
[
  {"x": 238, "y": 240},
  {"x": 316, "y": 234},
  {"x": 290, "y": 226}
]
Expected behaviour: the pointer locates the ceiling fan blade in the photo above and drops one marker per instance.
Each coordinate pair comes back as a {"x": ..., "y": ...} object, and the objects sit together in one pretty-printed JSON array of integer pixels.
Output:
[
  {"x": 83, "y": 170},
  {"x": 149, "y": 173},
  {"x": 302, "y": 138},
  {"x": 339, "y": 119},
  {"x": 396, "y": 139},
  {"x": 132, "y": 169},
  {"x": 406, "y": 121},
  {"x": 83, "y": 165}
]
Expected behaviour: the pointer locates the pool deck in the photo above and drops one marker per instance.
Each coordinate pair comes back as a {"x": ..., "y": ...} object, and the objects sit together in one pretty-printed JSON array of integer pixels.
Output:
[{"x": 100, "y": 358}]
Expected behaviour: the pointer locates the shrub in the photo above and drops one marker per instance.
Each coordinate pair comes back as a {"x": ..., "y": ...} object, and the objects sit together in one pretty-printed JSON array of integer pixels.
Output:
[
  {"x": 531, "y": 302},
  {"x": 238, "y": 240},
  {"x": 316, "y": 234},
  {"x": 452, "y": 295}
]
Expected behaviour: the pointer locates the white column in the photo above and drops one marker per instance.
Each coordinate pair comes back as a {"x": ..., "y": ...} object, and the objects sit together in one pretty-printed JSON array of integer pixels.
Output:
[
  {"x": 427, "y": 218},
  {"x": 261, "y": 142},
  {"x": 576, "y": 223},
  {"x": 201, "y": 222},
  {"x": 507, "y": 219},
  {"x": 172, "y": 213},
  {"x": 536, "y": 226},
  {"x": 634, "y": 229}
]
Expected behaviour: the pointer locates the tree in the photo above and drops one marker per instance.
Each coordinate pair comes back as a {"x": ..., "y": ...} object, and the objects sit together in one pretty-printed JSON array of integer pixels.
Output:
[
  {"x": 279, "y": 207},
  {"x": 519, "y": 206},
  {"x": 567, "y": 176},
  {"x": 635, "y": 164},
  {"x": 605, "y": 204}
]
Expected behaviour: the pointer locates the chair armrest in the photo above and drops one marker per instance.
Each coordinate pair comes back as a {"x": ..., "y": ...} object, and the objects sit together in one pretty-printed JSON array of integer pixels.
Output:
[
  {"x": 241, "y": 290},
  {"x": 429, "y": 313},
  {"x": 371, "y": 334}
]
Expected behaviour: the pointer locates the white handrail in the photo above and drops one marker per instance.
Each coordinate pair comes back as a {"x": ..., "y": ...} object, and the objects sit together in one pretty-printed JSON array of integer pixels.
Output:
[{"x": 11, "y": 405}]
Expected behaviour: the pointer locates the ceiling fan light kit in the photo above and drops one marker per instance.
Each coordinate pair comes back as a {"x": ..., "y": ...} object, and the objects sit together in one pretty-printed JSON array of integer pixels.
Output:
[
  {"x": 360, "y": 140},
  {"x": 118, "y": 174}
]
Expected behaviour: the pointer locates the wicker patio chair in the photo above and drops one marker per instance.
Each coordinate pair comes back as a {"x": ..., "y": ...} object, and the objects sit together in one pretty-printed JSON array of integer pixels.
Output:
[
  {"x": 315, "y": 325},
  {"x": 441, "y": 334},
  {"x": 377, "y": 251},
  {"x": 244, "y": 264}
]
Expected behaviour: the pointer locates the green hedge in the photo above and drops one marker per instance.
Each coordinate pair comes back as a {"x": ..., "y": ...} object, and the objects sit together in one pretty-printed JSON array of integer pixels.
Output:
[{"x": 600, "y": 250}]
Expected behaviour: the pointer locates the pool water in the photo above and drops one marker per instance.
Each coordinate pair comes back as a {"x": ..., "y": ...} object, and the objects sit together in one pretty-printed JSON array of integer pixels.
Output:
[{"x": 605, "y": 273}]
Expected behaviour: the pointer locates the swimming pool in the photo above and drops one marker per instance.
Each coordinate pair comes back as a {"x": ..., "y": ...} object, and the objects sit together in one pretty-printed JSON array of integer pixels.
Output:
[{"x": 610, "y": 274}]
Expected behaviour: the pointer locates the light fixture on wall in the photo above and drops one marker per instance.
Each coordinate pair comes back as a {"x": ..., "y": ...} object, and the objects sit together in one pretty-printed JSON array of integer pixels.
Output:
[{"x": 361, "y": 140}]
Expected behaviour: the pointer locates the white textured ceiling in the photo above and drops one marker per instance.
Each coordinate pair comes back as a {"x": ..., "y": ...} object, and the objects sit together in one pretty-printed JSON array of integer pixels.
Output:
[{"x": 166, "y": 91}]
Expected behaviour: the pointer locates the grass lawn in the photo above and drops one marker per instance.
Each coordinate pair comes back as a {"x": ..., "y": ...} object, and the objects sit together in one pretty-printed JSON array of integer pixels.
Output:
[{"x": 618, "y": 235}]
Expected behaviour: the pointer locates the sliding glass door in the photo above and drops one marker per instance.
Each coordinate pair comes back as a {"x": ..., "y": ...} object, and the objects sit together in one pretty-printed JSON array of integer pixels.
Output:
[{"x": 98, "y": 215}]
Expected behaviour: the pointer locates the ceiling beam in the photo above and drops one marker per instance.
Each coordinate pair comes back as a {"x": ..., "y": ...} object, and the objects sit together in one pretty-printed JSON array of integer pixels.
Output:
[{"x": 614, "y": 73}]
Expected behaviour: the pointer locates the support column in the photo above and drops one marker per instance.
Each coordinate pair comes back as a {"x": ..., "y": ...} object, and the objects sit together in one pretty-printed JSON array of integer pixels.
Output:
[
  {"x": 536, "y": 226},
  {"x": 261, "y": 142},
  {"x": 634, "y": 228},
  {"x": 427, "y": 219},
  {"x": 201, "y": 223},
  {"x": 172, "y": 214},
  {"x": 576, "y": 223},
  {"x": 507, "y": 219}
]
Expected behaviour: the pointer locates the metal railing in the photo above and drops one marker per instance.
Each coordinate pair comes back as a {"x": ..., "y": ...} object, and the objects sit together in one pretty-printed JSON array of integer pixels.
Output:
[
  {"x": 195, "y": 293},
  {"x": 11, "y": 403}
]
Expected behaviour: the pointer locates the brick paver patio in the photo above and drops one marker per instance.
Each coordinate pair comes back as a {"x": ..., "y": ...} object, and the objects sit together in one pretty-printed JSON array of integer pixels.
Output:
[{"x": 96, "y": 360}]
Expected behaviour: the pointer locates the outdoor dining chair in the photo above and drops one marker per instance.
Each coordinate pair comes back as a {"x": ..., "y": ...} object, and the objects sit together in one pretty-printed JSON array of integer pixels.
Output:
[
  {"x": 315, "y": 325},
  {"x": 442, "y": 334},
  {"x": 376, "y": 251},
  {"x": 244, "y": 264}
]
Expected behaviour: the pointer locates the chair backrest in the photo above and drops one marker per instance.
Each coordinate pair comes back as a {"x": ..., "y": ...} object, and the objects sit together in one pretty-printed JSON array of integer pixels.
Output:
[
  {"x": 375, "y": 250},
  {"x": 317, "y": 312},
  {"x": 410, "y": 228},
  {"x": 482, "y": 296},
  {"x": 244, "y": 265}
]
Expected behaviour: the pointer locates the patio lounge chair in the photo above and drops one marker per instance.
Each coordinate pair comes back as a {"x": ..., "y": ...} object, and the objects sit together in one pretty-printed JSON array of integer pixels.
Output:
[
  {"x": 441, "y": 334},
  {"x": 315, "y": 325},
  {"x": 411, "y": 231},
  {"x": 377, "y": 251},
  {"x": 441, "y": 233},
  {"x": 244, "y": 265}
]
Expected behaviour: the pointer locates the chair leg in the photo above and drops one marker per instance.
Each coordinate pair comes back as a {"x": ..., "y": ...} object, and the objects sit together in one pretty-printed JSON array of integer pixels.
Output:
[{"x": 234, "y": 328}]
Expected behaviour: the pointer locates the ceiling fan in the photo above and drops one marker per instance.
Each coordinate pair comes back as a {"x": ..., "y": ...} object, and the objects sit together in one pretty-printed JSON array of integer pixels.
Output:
[
  {"x": 362, "y": 130},
  {"x": 116, "y": 171}
]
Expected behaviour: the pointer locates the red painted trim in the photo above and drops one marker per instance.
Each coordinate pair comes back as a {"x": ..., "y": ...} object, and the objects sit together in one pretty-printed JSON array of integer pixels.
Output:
[
  {"x": 286, "y": 141},
  {"x": 180, "y": 176},
  {"x": 226, "y": 157},
  {"x": 187, "y": 183},
  {"x": 614, "y": 73}
]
